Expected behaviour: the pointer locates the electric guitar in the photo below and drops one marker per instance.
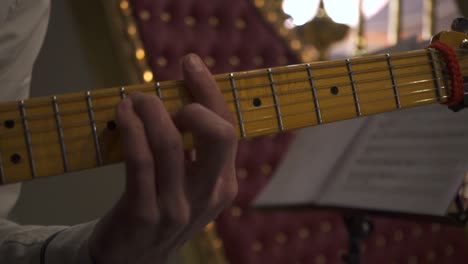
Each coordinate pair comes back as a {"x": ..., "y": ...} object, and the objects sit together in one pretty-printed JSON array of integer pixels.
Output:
[{"x": 53, "y": 135}]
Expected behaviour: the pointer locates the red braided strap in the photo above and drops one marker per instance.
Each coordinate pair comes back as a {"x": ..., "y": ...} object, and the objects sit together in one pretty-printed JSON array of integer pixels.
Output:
[{"x": 454, "y": 71}]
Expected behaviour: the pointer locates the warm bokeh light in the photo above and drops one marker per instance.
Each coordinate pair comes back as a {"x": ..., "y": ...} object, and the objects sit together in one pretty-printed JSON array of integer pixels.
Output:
[
  {"x": 301, "y": 11},
  {"x": 148, "y": 76},
  {"x": 124, "y": 5},
  {"x": 345, "y": 12},
  {"x": 140, "y": 54}
]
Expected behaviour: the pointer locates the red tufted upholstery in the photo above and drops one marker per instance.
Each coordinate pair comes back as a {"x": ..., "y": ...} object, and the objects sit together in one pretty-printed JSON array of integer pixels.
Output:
[{"x": 232, "y": 36}]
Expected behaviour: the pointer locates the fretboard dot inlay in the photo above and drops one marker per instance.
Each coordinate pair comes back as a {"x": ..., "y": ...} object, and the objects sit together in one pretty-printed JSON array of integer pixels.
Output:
[
  {"x": 15, "y": 158},
  {"x": 9, "y": 123},
  {"x": 334, "y": 90},
  {"x": 257, "y": 102},
  {"x": 111, "y": 125}
]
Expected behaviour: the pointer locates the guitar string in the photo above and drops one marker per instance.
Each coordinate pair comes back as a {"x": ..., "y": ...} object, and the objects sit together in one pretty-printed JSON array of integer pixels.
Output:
[
  {"x": 97, "y": 110},
  {"x": 300, "y": 68},
  {"x": 307, "y": 89},
  {"x": 239, "y": 99},
  {"x": 336, "y": 97},
  {"x": 273, "y": 118},
  {"x": 253, "y": 109},
  {"x": 85, "y": 124},
  {"x": 317, "y": 88}
]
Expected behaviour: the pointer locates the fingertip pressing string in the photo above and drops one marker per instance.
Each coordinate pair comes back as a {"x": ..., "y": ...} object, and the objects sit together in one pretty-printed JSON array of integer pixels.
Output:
[{"x": 454, "y": 71}]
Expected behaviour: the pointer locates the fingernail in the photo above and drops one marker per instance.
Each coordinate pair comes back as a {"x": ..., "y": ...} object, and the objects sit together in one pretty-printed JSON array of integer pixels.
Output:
[{"x": 193, "y": 63}]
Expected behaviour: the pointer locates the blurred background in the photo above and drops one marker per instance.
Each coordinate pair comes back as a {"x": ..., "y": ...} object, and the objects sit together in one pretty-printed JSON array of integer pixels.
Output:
[{"x": 97, "y": 44}]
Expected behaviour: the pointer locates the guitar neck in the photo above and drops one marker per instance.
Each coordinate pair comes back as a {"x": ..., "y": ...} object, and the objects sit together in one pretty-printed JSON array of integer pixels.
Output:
[{"x": 52, "y": 135}]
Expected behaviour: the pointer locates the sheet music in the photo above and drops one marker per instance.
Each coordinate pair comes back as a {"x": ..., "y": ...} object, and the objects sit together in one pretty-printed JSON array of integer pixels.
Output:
[
  {"x": 406, "y": 161},
  {"x": 411, "y": 161},
  {"x": 310, "y": 159}
]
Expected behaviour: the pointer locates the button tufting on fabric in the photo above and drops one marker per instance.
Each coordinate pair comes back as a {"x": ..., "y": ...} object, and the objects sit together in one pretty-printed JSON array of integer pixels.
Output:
[
  {"x": 239, "y": 23},
  {"x": 258, "y": 60},
  {"x": 282, "y": 60},
  {"x": 144, "y": 15},
  {"x": 161, "y": 61},
  {"x": 234, "y": 61},
  {"x": 303, "y": 233},
  {"x": 380, "y": 241},
  {"x": 266, "y": 169},
  {"x": 398, "y": 235},
  {"x": 448, "y": 250},
  {"x": 435, "y": 228},
  {"x": 236, "y": 211},
  {"x": 209, "y": 61},
  {"x": 320, "y": 259},
  {"x": 213, "y": 21},
  {"x": 325, "y": 227},
  {"x": 341, "y": 253},
  {"x": 363, "y": 248},
  {"x": 242, "y": 173},
  {"x": 417, "y": 231},
  {"x": 413, "y": 260},
  {"x": 257, "y": 246},
  {"x": 430, "y": 256},
  {"x": 165, "y": 16},
  {"x": 280, "y": 238},
  {"x": 190, "y": 21}
]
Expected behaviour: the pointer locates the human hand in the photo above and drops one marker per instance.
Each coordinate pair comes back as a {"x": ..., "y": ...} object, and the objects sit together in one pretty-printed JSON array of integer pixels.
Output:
[{"x": 168, "y": 196}]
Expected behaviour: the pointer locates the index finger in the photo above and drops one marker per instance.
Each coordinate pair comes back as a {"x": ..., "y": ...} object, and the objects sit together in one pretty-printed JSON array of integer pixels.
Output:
[{"x": 203, "y": 87}]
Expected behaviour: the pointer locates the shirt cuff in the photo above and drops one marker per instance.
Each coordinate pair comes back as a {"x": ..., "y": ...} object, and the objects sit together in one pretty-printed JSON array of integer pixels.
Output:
[{"x": 69, "y": 246}]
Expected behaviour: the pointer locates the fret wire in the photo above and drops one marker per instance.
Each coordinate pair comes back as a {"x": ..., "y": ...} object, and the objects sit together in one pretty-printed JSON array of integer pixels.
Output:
[
  {"x": 353, "y": 87},
  {"x": 97, "y": 146},
  {"x": 327, "y": 87},
  {"x": 328, "y": 64},
  {"x": 314, "y": 94},
  {"x": 2, "y": 172},
  {"x": 335, "y": 106},
  {"x": 307, "y": 88},
  {"x": 175, "y": 84},
  {"x": 252, "y": 109},
  {"x": 306, "y": 113},
  {"x": 58, "y": 122},
  {"x": 27, "y": 137},
  {"x": 158, "y": 90},
  {"x": 122, "y": 93},
  {"x": 238, "y": 106},
  {"x": 394, "y": 83},
  {"x": 39, "y": 117},
  {"x": 275, "y": 99},
  {"x": 273, "y": 129},
  {"x": 436, "y": 74}
]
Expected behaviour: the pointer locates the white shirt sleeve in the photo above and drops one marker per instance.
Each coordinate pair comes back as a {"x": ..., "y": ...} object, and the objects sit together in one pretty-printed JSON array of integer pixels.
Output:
[{"x": 23, "y": 24}]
